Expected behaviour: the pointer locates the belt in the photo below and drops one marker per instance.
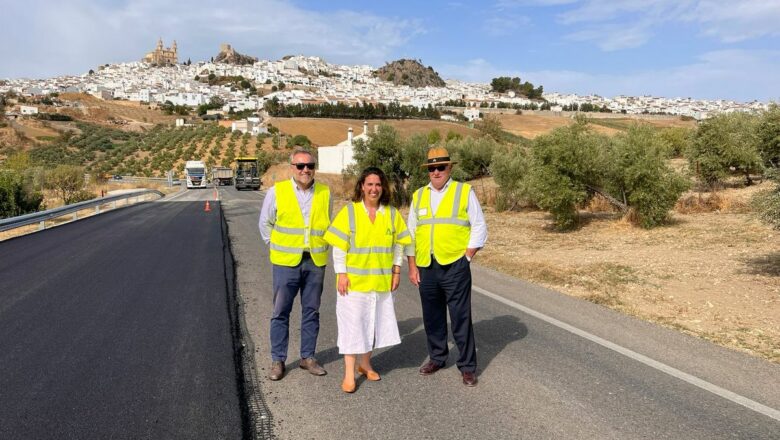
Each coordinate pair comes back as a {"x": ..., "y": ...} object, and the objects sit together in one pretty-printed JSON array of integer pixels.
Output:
[{"x": 305, "y": 255}]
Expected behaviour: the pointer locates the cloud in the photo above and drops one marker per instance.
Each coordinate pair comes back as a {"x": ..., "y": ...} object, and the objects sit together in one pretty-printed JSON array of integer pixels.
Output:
[
  {"x": 498, "y": 26},
  {"x": 732, "y": 21},
  {"x": 741, "y": 75},
  {"x": 71, "y": 37},
  {"x": 621, "y": 24}
]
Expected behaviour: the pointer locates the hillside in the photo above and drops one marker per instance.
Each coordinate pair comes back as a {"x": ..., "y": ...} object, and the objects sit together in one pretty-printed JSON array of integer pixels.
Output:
[
  {"x": 409, "y": 73},
  {"x": 228, "y": 55}
]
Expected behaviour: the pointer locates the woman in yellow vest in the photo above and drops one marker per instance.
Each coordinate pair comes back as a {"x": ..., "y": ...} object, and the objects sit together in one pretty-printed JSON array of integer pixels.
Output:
[{"x": 368, "y": 236}]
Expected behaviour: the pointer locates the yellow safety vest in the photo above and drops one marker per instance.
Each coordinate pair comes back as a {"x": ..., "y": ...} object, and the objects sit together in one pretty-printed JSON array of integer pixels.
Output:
[
  {"x": 288, "y": 233},
  {"x": 446, "y": 234},
  {"x": 369, "y": 246}
]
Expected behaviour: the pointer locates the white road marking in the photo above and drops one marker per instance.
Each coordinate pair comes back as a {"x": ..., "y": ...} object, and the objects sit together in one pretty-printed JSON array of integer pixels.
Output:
[{"x": 693, "y": 380}]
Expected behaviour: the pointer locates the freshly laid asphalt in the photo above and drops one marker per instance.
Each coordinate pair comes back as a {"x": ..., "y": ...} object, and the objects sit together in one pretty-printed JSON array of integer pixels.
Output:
[
  {"x": 541, "y": 374},
  {"x": 123, "y": 326},
  {"x": 117, "y": 326}
]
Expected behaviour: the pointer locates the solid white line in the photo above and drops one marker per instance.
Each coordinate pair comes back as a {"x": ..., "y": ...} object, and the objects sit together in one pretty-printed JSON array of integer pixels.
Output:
[{"x": 693, "y": 380}]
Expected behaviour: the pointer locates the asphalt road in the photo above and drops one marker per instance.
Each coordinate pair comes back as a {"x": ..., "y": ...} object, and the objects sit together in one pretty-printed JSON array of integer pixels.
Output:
[
  {"x": 550, "y": 366},
  {"x": 117, "y": 326}
]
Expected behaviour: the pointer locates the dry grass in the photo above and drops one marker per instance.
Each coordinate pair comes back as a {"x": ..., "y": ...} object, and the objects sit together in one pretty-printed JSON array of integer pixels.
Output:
[
  {"x": 532, "y": 125},
  {"x": 98, "y": 110},
  {"x": 325, "y": 132},
  {"x": 711, "y": 274}
]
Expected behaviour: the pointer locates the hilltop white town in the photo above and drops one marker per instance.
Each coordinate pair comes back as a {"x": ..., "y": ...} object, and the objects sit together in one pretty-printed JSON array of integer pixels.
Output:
[{"x": 160, "y": 77}]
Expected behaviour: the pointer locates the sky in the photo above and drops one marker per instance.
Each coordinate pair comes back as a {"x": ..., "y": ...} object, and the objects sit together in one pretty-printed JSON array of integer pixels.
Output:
[{"x": 704, "y": 49}]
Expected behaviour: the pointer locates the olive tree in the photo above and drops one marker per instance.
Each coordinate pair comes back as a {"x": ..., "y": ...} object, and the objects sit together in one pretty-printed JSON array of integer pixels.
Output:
[{"x": 724, "y": 144}]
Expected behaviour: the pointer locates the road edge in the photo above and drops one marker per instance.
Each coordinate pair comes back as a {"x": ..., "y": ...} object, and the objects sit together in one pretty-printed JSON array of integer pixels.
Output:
[{"x": 256, "y": 419}]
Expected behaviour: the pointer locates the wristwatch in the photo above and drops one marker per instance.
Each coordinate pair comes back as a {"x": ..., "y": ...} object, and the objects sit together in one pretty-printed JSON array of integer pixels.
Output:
[{"x": 468, "y": 258}]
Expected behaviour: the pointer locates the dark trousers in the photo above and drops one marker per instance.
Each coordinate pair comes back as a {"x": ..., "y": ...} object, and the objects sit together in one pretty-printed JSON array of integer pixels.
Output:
[
  {"x": 444, "y": 287},
  {"x": 307, "y": 278}
]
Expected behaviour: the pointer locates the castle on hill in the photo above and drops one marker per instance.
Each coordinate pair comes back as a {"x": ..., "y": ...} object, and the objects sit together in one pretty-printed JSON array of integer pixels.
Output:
[{"x": 162, "y": 56}]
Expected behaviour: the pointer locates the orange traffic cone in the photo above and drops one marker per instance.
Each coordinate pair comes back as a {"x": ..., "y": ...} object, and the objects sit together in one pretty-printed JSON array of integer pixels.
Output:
[{"x": 208, "y": 208}]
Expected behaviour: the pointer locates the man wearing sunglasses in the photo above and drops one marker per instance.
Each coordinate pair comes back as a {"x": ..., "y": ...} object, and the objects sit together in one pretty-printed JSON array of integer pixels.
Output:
[
  {"x": 448, "y": 228},
  {"x": 293, "y": 220}
]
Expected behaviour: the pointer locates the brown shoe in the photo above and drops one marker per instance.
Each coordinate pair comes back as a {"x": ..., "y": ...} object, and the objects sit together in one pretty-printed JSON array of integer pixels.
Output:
[
  {"x": 469, "y": 378},
  {"x": 311, "y": 365},
  {"x": 429, "y": 368},
  {"x": 277, "y": 370}
]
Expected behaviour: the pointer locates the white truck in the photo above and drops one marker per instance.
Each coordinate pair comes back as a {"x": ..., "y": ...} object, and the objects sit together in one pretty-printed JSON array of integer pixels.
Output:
[{"x": 195, "y": 174}]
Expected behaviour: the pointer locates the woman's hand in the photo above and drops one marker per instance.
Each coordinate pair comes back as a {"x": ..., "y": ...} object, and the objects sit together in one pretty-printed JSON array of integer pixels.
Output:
[
  {"x": 395, "y": 282},
  {"x": 343, "y": 284}
]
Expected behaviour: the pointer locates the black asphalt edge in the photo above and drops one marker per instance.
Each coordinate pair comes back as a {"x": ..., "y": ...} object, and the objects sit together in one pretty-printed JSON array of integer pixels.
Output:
[{"x": 256, "y": 419}]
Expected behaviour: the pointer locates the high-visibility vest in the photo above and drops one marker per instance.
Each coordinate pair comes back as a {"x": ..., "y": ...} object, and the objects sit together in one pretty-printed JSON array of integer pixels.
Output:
[
  {"x": 446, "y": 234},
  {"x": 289, "y": 230},
  {"x": 369, "y": 246}
]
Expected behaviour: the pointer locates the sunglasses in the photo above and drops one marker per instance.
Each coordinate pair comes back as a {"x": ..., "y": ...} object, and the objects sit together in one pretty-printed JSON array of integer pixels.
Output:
[
  {"x": 439, "y": 168},
  {"x": 301, "y": 166}
]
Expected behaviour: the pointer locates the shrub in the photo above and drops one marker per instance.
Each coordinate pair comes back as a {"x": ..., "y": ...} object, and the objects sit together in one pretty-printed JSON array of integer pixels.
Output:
[
  {"x": 767, "y": 203},
  {"x": 563, "y": 162},
  {"x": 473, "y": 156},
  {"x": 509, "y": 168},
  {"x": 637, "y": 175},
  {"x": 722, "y": 144}
]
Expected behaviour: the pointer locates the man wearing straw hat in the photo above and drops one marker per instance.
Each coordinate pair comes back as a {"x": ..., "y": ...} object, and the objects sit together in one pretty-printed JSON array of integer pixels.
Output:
[{"x": 448, "y": 228}]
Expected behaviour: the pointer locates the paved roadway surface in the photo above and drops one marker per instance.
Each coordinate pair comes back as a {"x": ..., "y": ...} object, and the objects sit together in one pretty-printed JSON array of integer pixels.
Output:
[
  {"x": 538, "y": 378},
  {"x": 117, "y": 326}
]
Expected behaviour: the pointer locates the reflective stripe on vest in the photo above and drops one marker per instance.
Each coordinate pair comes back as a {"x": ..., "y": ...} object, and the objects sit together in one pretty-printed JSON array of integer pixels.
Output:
[
  {"x": 369, "y": 246},
  {"x": 289, "y": 231},
  {"x": 445, "y": 234}
]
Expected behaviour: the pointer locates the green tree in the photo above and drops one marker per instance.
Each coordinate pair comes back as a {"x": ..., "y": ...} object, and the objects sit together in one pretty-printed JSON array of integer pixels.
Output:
[
  {"x": 383, "y": 150},
  {"x": 434, "y": 136},
  {"x": 724, "y": 144},
  {"x": 490, "y": 126},
  {"x": 769, "y": 137},
  {"x": 563, "y": 162},
  {"x": 677, "y": 140},
  {"x": 638, "y": 177},
  {"x": 509, "y": 168},
  {"x": 66, "y": 181},
  {"x": 766, "y": 204}
]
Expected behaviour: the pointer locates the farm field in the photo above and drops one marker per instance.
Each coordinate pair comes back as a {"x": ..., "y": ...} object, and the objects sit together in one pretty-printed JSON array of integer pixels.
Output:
[
  {"x": 326, "y": 132},
  {"x": 531, "y": 125}
]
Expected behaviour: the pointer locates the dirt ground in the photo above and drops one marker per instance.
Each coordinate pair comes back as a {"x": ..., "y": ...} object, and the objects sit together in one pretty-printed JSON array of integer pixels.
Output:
[
  {"x": 530, "y": 126},
  {"x": 715, "y": 275},
  {"x": 327, "y": 132}
]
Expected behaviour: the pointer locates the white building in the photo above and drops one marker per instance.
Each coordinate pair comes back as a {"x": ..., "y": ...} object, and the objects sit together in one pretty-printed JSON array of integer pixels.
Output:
[
  {"x": 336, "y": 159},
  {"x": 472, "y": 114},
  {"x": 28, "y": 110}
]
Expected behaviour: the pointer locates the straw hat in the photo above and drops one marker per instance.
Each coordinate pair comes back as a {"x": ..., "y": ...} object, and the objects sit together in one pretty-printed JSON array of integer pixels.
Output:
[{"x": 438, "y": 156}]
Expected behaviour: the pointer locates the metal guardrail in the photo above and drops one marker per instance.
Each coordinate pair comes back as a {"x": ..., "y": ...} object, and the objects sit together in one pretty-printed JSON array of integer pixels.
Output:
[{"x": 50, "y": 214}]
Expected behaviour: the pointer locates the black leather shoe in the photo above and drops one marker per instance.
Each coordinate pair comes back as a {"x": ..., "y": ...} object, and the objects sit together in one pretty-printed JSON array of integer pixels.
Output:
[
  {"x": 429, "y": 368},
  {"x": 277, "y": 370},
  {"x": 469, "y": 379}
]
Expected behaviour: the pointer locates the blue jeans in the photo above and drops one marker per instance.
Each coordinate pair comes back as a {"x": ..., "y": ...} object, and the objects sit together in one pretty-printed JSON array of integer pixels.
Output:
[{"x": 307, "y": 278}]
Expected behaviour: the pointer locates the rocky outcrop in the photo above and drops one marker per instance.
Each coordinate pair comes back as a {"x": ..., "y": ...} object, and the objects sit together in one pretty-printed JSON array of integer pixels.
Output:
[
  {"x": 228, "y": 55},
  {"x": 409, "y": 73}
]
